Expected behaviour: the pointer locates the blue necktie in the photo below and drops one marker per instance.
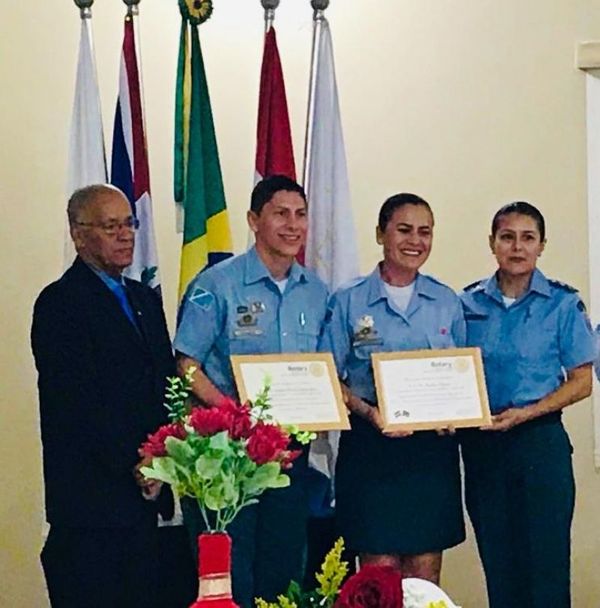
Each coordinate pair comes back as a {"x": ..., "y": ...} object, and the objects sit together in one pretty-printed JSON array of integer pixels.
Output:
[{"x": 119, "y": 291}]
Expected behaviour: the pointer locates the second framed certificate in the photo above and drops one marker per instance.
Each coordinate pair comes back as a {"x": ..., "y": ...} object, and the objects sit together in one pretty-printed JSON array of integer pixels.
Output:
[
  {"x": 305, "y": 390},
  {"x": 429, "y": 389}
]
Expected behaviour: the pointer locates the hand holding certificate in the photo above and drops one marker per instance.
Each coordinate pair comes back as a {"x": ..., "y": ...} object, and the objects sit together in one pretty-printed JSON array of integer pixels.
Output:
[
  {"x": 431, "y": 389},
  {"x": 305, "y": 390}
]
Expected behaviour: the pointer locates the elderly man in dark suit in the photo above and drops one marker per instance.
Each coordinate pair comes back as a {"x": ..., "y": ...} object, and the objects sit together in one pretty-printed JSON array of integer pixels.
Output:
[{"x": 102, "y": 351}]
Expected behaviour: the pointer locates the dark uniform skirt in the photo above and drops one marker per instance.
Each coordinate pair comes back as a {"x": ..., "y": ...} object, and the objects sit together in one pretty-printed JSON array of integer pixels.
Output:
[{"x": 398, "y": 496}]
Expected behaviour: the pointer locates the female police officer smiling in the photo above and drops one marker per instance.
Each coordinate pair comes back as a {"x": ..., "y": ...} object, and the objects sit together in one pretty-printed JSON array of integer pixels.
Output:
[
  {"x": 537, "y": 348},
  {"x": 398, "y": 499}
]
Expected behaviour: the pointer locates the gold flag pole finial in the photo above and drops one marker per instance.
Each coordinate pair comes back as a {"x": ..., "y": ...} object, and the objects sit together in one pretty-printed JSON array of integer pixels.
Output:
[{"x": 85, "y": 8}]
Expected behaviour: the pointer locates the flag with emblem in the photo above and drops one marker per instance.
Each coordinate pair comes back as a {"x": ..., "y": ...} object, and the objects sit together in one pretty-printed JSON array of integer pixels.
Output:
[
  {"x": 86, "y": 161},
  {"x": 331, "y": 248},
  {"x": 198, "y": 183},
  {"x": 274, "y": 151},
  {"x": 129, "y": 167}
]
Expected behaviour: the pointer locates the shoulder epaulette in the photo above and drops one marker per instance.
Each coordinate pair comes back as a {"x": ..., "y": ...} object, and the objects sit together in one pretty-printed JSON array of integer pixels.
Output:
[
  {"x": 352, "y": 283},
  {"x": 563, "y": 286},
  {"x": 474, "y": 285}
]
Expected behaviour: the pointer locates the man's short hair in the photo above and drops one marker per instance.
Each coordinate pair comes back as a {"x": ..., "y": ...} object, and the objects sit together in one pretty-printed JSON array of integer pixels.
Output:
[
  {"x": 82, "y": 197},
  {"x": 266, "y": 189}
]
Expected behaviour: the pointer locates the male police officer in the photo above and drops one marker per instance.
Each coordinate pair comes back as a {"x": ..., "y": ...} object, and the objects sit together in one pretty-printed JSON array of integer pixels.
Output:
[{"x": 260, "y": 302}]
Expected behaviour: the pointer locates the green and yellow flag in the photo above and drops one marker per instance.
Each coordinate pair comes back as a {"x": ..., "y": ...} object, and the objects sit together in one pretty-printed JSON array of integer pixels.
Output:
[{"x": 198, "y": 184}]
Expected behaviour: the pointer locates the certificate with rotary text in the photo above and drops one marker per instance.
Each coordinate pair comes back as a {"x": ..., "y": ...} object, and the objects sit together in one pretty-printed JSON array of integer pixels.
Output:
[
  {"x": 431, "y": 389},
  {"x": 305, "y": 390}
]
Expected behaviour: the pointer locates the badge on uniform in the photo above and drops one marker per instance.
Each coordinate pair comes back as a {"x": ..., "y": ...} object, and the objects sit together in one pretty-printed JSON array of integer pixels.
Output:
[
  {"x": 257, "y": 307},
  {"x": 202, "y": 298},
  {"x": 246, "y": 319},
  {"x": 365, "y": 332}
]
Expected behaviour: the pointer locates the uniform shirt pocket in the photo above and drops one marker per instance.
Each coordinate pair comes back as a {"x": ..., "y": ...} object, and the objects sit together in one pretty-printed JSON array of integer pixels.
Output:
[
  {"x": 440, "y": 339},
  {"x": 247, "y": 341},
  {"x": 307, "y": 340},
  {"x": 538, "y": 345}
]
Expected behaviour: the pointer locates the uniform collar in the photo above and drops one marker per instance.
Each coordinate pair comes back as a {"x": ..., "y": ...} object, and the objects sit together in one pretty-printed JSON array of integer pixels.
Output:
[
  {"x": 538, "y": 284},
  {"x": 255, "y": 270},
  {"x": 423, "y": 287}
]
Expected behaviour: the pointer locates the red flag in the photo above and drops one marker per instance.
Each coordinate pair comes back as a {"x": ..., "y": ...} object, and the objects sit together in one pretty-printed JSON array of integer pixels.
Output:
[{"x": 274, "y": 152}]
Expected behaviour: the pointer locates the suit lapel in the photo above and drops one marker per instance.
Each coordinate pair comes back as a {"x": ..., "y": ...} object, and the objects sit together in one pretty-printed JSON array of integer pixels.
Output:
[{"x": 106, "y": 301}]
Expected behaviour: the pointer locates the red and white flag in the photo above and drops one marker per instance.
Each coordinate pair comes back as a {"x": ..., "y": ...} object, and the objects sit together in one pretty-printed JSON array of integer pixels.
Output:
[{"x": 274, "y": 151}]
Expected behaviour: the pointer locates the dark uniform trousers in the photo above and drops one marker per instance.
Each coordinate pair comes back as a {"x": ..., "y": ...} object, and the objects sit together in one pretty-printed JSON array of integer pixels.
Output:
[
  {"x": 101, "y": 567},
  {"x": 520, "y": 495}
]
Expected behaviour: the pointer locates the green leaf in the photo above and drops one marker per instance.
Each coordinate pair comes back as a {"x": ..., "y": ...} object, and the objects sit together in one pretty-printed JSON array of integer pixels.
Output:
[
  {"x": 214, "y": 499},
  {"x": 208, "y": 467},
  {"x": 220, "y": 441},
  {"x": 264, "y": 477},
  {"x": 281, "y": 481},
  {"x": 179, "y": 449},
  {"x": 162, "y": 469}
]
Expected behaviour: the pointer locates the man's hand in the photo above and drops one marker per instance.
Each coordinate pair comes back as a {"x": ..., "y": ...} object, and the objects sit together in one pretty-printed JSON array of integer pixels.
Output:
[
  {"x": 150, "y": 487},
  {"x": 508, "y": 419},
  {"x": 446, "y": 430}
]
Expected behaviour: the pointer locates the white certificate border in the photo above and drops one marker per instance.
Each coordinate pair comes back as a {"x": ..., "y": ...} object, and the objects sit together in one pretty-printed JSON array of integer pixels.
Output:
[
  {"x": 341, "y": 423},
  {"x": 474, "y": 353}
]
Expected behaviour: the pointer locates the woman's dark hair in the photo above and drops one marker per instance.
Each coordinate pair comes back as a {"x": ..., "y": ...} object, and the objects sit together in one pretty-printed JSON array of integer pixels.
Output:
[
  {"x": 522, "y": 208},
  {"x": 395, "y": 202},
  {"x": 267, "y": 188}
]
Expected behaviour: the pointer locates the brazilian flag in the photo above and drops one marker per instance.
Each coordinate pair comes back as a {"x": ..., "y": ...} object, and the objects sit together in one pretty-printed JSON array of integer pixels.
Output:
[{"x": 198, "y": 180}]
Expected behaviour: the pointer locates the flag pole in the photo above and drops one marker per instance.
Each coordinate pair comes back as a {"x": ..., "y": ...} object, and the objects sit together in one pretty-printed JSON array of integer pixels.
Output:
[
  {"x": 132, "y": 7},
  {"x": 319, "y": 7},
  {"x": 133, "y": 11},
  {"x": 269, "y": 6},
  {"x": 85, "y": 8}
]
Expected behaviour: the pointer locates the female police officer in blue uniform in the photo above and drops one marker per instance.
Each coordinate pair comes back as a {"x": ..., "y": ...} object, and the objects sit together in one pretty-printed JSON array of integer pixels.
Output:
[
  {"x": 537, "y": 348},
  {"x": 398, "y": 498}
]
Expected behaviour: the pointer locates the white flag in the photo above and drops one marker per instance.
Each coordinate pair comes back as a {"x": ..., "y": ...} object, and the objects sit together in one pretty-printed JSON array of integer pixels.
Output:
[
  {"x": 331, "y": 248},
  {"x": 87, "y": 161}
]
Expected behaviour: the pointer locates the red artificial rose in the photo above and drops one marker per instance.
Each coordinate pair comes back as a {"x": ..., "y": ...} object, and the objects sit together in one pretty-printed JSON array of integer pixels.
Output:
[
  {"x": 372, "y": 587},
  {"x": 267, "y": 443},
  {"x": 240, "y": 422},
  {"x": 209, "y": 421},
  {"x": 155, "y": 446}
]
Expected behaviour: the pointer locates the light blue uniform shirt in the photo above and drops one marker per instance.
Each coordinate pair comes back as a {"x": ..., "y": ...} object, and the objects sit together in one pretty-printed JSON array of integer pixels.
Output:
[
  {"x": 235, "y": 308},
  {"x": 528, "y": 346},
  {"x": 363, "y": 319}
]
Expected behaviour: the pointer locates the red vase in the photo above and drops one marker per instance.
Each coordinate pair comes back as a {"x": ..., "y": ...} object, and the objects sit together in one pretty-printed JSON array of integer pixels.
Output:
[{"x": 214, "y": 571}]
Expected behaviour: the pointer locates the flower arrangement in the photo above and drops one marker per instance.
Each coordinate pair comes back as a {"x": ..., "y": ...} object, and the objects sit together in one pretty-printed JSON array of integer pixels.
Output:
[
  {"x": 223, "y": 456},
  {"x": 371, "y": 587}
]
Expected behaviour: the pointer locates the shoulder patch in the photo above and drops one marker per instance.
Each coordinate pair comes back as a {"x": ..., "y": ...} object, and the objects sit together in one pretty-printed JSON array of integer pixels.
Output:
[
  {"x": 581, "y": 306},
  {"x": 202, "y": 298},
  {"x": 563, "y": 286}
]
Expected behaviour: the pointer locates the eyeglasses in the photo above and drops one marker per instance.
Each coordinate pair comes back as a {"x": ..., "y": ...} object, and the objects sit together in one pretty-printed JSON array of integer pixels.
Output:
[{"x": 112, "y": 228}]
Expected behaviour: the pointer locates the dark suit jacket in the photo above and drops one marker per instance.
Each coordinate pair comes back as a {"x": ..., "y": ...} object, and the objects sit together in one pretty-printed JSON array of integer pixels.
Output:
[{"x": 101, "y": 386}]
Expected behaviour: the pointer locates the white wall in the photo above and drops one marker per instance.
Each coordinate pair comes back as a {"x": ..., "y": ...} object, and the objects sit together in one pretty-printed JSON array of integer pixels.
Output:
[{"x": 468, "y": 104}]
